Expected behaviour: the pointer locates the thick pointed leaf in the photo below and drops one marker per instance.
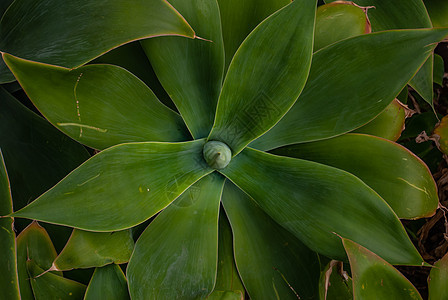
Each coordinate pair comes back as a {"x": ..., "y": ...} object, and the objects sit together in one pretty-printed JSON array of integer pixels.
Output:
[
  {"x": 409, "y": 14},
  {"x": 395, "y": 173},
  {"x": 77, "y": 32},
  {"x": 228, "y": 283},
  {"x": 335, "y": 100},
  {"x": 89, "y": 105},
  {"x": 33, "y": 243},
  {"x": 338, "y": 21},
  {"x": 266, "y": 76},
  {"x": 51, "y": 286},
  {"x": 176, "y": 256},
  {"x": 438, "y": 278},
  {"x": 191, "y": 71},
  {"x": 87, "y": 249},
  {"x": 374, "y": 278},
  {"x": 273, "y": 264},
  {"x": 239, "y": 18},
  {"x": 315, "y": 202},
  {"x": 121, "y": 187},
  {"x": 334, "y": 283},
  {"x": 9, "y": 286},
  {"x": 37, "y": 156},
  {"x": 388, "y": 124},
  {"x": 107, "y": 282}
]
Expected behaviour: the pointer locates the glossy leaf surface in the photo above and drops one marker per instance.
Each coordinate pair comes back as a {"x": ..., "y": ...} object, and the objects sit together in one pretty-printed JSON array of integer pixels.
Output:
[
  {"x": 438, "y": 278},
  {"x": 33, "y": 243},
  {"x": 395, "y": 173},
  {"x": 177, "y": 255},
  {"x": 315, "y": 202},
  {"x": 191, "y": 71},
  {"x": 438, "y": 12},
  {"x": 374, "y": 278},
  {"x": 98, "y": 105},
  {"x": 36, "y": 154},
  {"x": 338, "y": 21},
  {"x": 343, "y": 101},
  {"x": 273, "y": 264},
  {"x": 410, "y": 14},
  {"x": 266, "y": 76},
  {"x": 9, "y": 286},
  {"x": 121, "y": 187},
  {"x": 81, "y": 30},
  {"x": 87, "y": 249},
  {"x": 51, "y": 286},
  {"x": 107, "y": 282},
  {"x": 228, "y": 282},
  {"x": 388, "y": 124},
  {"x": 239, "y": 18}
]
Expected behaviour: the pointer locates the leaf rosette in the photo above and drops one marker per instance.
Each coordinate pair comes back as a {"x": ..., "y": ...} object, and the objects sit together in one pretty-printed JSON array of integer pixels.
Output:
[{"x": 260, "y": 126}]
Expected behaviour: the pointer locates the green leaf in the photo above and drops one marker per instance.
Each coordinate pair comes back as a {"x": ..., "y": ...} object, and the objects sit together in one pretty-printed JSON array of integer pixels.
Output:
[
  {"x": 88, "y": 104},
  {"x": 228, "y": 283},
  {"x": 441, "y": 130},
  {"x": 439, "y": 69},
  {"x": 96, "y": 196},
  {"x": 81, "y": 30},
  {"x": 239, "y": 18},
  {"x": 374, "y": 278},
  {"x": 438, "y": 277},
  {"x": 395, "y": 173},
  {"x": 87, "y": 249},
  {"x": 338, "y": 21},
  {"x": 409, "y": 14},
  {"x": 177, "y": 255},
  {"x": 33, "y": 243},
  {"x": 51, "y": 286},
  {"x": 334, "y": 283},
  {"x": 266, "y": 76},
  {"x": 335, "y": 100},
  {"x": 316, "y": 202},
  {"x": 273, "y": 264},
  {"x": 9, "y": 286},
  {"x": 438, "y": 11},
  {"x": 388, "y": 124},
  {"x": 191, "y": 71},
  {"x": 108, "y": 283}
]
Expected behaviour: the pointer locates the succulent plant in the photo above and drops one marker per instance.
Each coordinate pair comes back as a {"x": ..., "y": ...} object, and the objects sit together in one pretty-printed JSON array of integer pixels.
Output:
[{"x": 256, "y": 147}]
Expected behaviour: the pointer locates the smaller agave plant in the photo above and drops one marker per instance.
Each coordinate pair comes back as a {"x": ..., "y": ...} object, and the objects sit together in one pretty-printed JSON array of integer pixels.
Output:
[{"x": 256, "y": 157}]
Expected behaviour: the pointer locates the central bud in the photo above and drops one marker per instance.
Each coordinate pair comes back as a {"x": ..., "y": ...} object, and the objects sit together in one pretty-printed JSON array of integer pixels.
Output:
[{"x": 217, "y": 154}]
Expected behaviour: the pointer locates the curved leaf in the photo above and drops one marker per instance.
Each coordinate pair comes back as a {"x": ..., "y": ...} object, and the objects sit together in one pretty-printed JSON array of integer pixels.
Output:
[
  {"x": 315, "y": 202},
  {"x": 228, "y": 283},
  {"x": 273, "y": 264},
  {"x": 191, "y": 71},
  {"x": 441, "y": 130},
  {"x": 334, "y": 283},
  {"x": 87, "y": 249},
  {"x": 239, "y": 18},
  {"x": 47, "y": 285},
  {"x": 107, "y": 282},
  {"x": 98, "y": 105},
  {"x": 395, "y": 173},
  {"x": 374, "y": 278},
  {"x": 438, "y": 12},
  {"x": 439, "y": 69},
  {"x": 338, "y": 21},
  {"x": 121, "y": 187},
  {"x": 80, "y": 30},
  {"x": 176, "y": 256},
  {"x": 335, "y": 100},
  {"x": 388, "y": 124},
  {"x": 266, "y": 76},
  {"x": 438, "y": 289},
  {"x": 9, "y": 286},
  {"x": 33, "y": 243}
]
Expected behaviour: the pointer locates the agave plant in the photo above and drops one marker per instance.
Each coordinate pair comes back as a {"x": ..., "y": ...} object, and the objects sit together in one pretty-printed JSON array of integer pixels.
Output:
[{"x": 259, "y": 127}]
